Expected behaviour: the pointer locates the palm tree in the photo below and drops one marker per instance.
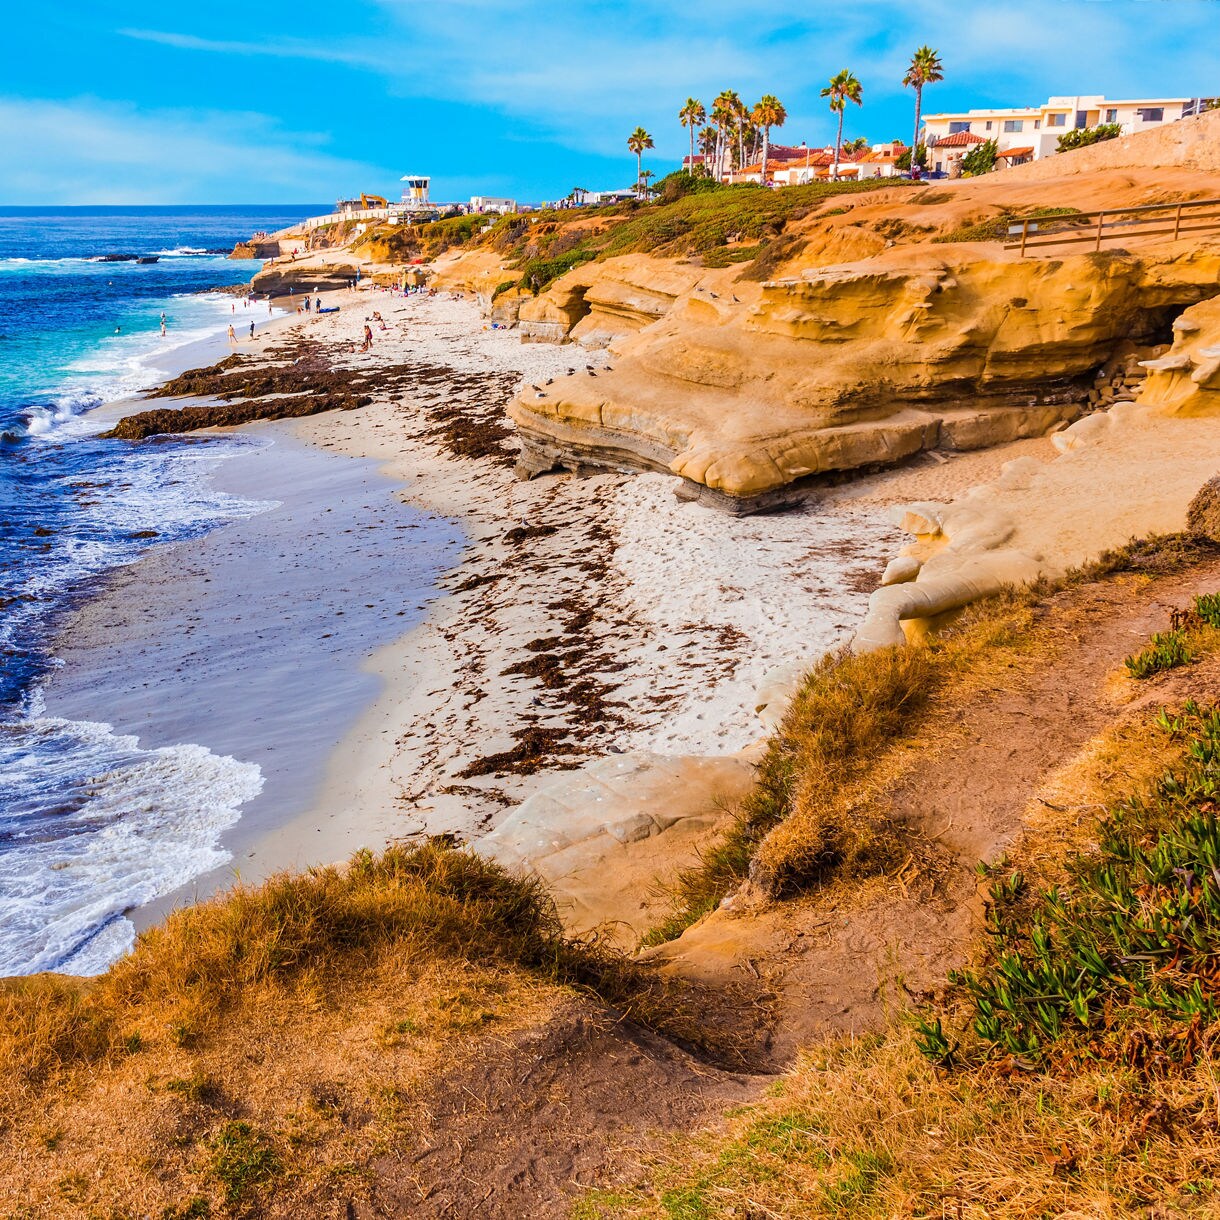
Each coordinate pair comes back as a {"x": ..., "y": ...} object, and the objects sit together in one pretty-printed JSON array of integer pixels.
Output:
[
  {"x": 843, "y": 88},
  {"x": 768, "y": 113},
  {"x": 637, "y": 141},
  {"x": 741, "y": 114},
  {"x": 643, "y": 182},
  {"x": 692, "y": 115},
  {"x": 724, "y": 114},
  {"x": 925, "y": 69}
]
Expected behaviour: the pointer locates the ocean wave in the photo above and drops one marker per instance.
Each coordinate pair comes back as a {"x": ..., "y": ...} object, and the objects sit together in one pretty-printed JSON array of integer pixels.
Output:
[{"x": 92, "y": 826}]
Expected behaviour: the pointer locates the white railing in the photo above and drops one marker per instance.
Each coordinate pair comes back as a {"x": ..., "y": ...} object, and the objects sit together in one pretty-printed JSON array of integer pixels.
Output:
[{"x": 334, "y": 218}]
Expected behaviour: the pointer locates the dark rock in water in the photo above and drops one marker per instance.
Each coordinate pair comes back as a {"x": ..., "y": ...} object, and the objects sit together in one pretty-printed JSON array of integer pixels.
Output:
[
  {"x": 145, "y": 534},
  {"x": 118, "y": 258},
  {"x": 148, "y": 258}
]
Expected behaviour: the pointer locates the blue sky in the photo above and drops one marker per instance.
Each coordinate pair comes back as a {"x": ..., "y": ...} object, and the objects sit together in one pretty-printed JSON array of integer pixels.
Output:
[{"x": 125, "y": 101}]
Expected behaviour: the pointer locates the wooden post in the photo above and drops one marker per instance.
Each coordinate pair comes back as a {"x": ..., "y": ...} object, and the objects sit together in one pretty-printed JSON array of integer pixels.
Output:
[
  {"x": 1024, "y": 232},
  {"x": 1177, "y": 222},
  {"x": 1100, "y": 217}
]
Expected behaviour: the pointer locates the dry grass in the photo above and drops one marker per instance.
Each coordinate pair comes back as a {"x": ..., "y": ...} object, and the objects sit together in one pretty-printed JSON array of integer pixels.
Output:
[
  {"x": 853, "y": 728},
  {"x": 870, "y": 1129},
  {"x": 256, "y": 1052}
]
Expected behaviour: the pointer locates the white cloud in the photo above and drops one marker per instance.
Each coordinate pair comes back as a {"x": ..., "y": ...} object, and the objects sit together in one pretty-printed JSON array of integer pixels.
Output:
[
  {"x": 584, "y": 73},
  {"x": 86, "y": 151}
]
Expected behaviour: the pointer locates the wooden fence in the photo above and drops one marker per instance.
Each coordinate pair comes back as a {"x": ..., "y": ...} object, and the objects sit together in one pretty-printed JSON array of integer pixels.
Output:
[{"x": 1171, "y": 220}]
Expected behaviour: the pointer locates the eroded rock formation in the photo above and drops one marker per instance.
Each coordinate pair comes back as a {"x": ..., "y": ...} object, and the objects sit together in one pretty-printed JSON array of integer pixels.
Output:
[{"x": 749, "y": 392}]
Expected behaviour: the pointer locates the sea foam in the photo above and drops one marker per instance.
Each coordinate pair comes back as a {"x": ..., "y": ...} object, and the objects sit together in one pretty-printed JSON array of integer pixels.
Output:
[{"x": 93, "y": 826}]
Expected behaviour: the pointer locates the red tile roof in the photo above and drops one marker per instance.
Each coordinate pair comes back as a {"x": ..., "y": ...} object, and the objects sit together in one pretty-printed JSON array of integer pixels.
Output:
[
  {"x": 959, "y": 139},
  {"x": 786, "y": 152},
  {"x": 1017, "y": 152},
  {"x": 886, "y": 156}
]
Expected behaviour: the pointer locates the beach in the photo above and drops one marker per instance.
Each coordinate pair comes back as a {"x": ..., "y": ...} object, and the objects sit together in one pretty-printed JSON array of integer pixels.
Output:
[{"x": 407, "y": 640}]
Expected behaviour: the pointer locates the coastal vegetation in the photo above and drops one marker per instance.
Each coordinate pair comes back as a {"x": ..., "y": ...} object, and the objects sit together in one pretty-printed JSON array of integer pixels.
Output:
[
  {"x": 1069, "y": 1066},
  {"x": 268, "y": 1044},
  {"x": 981, "y": 158},
  {"x": 693, "y": 217},
  {"x": 1082, "y": 137}
]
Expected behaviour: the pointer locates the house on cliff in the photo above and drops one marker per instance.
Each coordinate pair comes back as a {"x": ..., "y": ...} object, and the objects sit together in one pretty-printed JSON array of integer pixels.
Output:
[
  {"x": 1030, "y": 133},
  {"x": 818, "y": 165}
]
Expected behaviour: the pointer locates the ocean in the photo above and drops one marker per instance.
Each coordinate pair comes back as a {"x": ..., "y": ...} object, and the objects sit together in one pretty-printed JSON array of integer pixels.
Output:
[{"x": 91, "y": 823}]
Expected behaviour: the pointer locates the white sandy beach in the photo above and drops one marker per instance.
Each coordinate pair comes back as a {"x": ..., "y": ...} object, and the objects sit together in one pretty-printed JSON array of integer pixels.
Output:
[{"x": 634, "y": 621}]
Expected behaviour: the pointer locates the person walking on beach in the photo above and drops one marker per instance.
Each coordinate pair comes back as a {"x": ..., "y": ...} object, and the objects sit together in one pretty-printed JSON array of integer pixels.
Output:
[
  {"x": 368, "y": 336},
  {"x": 251, "y": 330},
  {"x": 317, "y": 305},
  {"x": 232, "y": 336}
]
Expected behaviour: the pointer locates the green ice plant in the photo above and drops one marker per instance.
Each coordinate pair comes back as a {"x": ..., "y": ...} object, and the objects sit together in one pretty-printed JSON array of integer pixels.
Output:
[{"x": 1130, "y": 939}]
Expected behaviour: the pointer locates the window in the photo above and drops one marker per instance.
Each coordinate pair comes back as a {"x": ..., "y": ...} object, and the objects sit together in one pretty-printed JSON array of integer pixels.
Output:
[
  {"x": 1014, "y": 125},
  {"x": 1056, "y": 120},
  {"x": 988, "y": 124},
  {"x": 1037, "y": 124},
  {"x": 955, "y": 127},
  {"x": 1112, "y": 115},
  {"x": 1151, "y": 114}
]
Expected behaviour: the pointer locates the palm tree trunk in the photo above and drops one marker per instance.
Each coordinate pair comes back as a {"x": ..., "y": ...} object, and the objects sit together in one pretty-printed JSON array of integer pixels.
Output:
[
  {"x": 639, "y": 169},
  {"x": 692, "y": 147},
  {"x": 915, "y": 141},
  {"x": 839, "y": 146},
  {"x": 766, "y": 148}
]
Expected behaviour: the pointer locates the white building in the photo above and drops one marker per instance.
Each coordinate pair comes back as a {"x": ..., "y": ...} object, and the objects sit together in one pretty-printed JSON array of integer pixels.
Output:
[
  {"x": 481, "y": 204},
  {"x": 1031, "y": 133}
]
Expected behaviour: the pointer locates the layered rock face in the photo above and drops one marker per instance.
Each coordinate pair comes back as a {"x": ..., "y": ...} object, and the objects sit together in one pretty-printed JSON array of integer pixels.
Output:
[
  {"x": 478, "y": 274},
  {"x": 751, "y": 392},
  {"x": 597, "y": 303}
]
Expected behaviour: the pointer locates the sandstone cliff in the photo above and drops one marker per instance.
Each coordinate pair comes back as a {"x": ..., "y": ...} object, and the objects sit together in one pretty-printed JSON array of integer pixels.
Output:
[{"x": 748, "y": 393}]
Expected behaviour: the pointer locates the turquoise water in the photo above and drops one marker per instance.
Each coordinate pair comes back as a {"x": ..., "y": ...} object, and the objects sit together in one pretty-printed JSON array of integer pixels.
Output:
[{"x": 92, "y": 824}]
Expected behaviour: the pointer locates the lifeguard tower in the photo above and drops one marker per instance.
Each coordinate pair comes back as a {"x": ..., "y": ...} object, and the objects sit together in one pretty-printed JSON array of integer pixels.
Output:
[{"x": 415, "y": 194}]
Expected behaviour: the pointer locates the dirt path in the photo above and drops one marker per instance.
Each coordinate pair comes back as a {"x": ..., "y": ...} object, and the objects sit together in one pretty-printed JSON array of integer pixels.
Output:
[
  {"x": 562, "y": 1108},
  {"x": 835, "y": 962}
]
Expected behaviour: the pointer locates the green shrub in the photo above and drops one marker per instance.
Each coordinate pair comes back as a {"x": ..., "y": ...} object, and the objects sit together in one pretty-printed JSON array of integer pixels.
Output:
[
  {"x": 1167, "y": 650},
  {"x": 1120, "y": 960},
  {"x": 1084, "y": 136},
  {"x": 1207, "y": 607},
  {"x": 981, "y": 158}
]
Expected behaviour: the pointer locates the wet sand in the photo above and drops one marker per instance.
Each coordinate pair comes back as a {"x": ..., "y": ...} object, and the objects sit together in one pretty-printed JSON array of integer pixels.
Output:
[{"x": 581, "y": 616}]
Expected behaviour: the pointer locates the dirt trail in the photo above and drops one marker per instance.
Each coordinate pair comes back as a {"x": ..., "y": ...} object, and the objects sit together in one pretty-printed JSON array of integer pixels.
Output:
[
  {"x": 834, "y": 963},
  {"x": 577, "y": 1102},
  {"x": 564, "y": 1107}
]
